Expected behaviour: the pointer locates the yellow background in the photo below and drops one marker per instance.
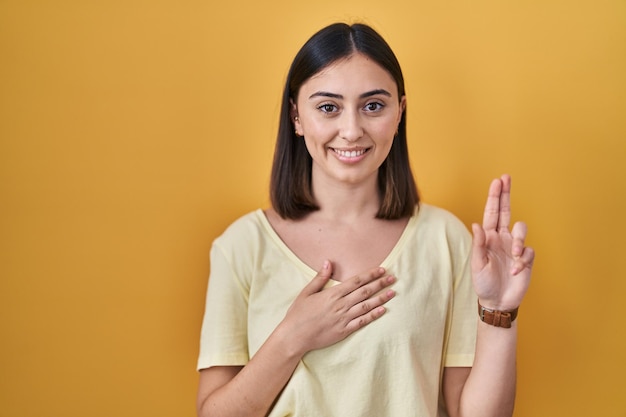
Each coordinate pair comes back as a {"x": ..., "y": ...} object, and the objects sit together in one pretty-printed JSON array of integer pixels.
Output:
[{"x": 133, "y": 132}]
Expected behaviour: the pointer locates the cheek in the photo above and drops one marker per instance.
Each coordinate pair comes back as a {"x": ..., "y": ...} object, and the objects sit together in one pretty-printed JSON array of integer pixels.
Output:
[
  {"x": 386, "y": 131},
  {"x": 313, "y": 145},
  {"x": 316, "y": 133}
]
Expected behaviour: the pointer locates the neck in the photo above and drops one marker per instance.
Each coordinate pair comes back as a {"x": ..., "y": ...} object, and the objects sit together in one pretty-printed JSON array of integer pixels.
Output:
[{"x": 346, "y": 201}]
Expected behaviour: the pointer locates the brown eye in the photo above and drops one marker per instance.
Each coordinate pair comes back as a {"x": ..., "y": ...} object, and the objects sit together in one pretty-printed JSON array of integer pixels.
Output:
[
  {"x": 327, "y": 108},
  {"x": 374, "y": 106}
]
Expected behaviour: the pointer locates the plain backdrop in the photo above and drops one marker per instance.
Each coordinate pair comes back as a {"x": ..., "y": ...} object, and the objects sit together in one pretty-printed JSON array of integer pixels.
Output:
[{"x": 133, "y": 132}]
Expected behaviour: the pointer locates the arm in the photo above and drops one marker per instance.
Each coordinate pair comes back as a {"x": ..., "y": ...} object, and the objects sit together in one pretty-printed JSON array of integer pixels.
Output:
[
  {"x": 501, "y": 267},
  {"x": 317, "y": 318}
]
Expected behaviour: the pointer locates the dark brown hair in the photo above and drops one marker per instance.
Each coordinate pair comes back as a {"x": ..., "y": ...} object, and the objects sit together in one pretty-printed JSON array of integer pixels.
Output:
[{"x": 290, "y": 186}]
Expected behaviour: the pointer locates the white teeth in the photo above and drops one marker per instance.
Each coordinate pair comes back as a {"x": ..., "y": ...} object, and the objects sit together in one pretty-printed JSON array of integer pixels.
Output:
[{"x": 349, "y": 154}]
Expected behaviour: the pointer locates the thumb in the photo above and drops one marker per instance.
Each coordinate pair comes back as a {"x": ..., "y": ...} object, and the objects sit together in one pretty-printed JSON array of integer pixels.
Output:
[
  {"x": 320, "y": 280},
  {"x": 478, "y": 246}
]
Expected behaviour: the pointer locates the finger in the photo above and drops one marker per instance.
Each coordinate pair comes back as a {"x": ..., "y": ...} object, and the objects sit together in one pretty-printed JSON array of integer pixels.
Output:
[
  {"x": 479, "y": 252},
  {"x": 320, "y": 280},
  {"x": 519, "y": 236},
  {"x": 374, "y": 289},
  {"x": 525, "y": 260},
  {"x": 505, "y": 203},
  {"x": 365, "y": 319},
  {"x": 360, "y": 280},
  {"x": 479, "y": 236},
  {"x": 368, "y": 304},
  {"x": 491, "y": 217}
]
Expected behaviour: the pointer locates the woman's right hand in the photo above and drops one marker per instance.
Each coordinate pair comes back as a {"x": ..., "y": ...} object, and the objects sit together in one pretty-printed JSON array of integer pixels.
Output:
[{"x": 320, "y": 317}]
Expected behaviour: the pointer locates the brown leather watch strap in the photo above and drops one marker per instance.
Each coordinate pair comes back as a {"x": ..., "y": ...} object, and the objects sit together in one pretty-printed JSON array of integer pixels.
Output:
[{"x": 497, "y": 318}]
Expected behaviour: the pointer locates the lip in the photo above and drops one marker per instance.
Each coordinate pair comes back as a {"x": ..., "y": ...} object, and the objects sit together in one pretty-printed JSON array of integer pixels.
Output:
[{"x": 351, "y": 154}]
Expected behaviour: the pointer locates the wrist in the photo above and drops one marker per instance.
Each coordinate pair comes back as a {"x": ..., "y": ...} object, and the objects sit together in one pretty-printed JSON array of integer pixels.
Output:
[
  {"x": 291, "y": 345},
  {"x": 497, "y": 318}
]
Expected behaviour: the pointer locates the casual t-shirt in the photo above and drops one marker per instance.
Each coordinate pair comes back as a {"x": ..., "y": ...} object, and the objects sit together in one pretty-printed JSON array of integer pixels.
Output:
[{"x": 391, "y": 367}]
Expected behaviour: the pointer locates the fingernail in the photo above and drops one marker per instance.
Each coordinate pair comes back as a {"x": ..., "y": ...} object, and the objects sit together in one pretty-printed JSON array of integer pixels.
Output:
[
  {"x": 326, "y": 265},
  {"x": 391, "y": 279}
]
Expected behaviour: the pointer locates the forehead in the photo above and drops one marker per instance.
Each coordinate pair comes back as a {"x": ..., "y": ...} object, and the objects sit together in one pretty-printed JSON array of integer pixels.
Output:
[{"x": 354, "y": 74}]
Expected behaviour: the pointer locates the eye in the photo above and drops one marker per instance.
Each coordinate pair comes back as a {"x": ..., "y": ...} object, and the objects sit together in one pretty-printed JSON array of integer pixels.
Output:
[
  {"x": 374, "y": 106},
  {"x": 327, "y": 108}
]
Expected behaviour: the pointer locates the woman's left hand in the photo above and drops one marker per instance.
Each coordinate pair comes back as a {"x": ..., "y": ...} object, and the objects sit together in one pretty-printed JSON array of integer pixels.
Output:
[{"x": 501, "y": 264}]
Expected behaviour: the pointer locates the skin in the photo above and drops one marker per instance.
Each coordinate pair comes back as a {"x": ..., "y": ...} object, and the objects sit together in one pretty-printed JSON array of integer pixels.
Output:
[
  {"x": 339, "y": 113},
  {"x": 501, "y": 269},
  {"x": 353, "y": 106}
]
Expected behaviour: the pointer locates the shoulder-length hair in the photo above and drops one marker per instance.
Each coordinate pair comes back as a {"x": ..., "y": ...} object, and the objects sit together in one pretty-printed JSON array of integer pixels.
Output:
[{"x": 290, "y": 185}]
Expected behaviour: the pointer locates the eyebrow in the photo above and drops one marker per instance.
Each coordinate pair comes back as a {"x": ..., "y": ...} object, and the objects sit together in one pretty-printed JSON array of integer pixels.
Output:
[{"x": 339, "y": 96}]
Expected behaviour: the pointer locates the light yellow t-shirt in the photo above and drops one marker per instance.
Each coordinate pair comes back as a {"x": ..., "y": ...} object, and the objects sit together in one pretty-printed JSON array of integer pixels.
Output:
[{"x": 390, "y": 368}]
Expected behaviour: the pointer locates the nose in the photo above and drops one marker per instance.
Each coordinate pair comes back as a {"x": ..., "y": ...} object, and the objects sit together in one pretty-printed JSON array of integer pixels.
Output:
[{"x": 351, "y": 128}]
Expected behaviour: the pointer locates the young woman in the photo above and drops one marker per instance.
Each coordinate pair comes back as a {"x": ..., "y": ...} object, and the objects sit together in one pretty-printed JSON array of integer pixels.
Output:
[{"x": 348, "y": 297}]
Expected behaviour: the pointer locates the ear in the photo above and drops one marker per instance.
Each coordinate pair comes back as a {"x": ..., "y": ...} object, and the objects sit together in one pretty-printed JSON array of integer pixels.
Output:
[
  {"x": 295, "y": 119},
  {"x": 401, "y": 108}
]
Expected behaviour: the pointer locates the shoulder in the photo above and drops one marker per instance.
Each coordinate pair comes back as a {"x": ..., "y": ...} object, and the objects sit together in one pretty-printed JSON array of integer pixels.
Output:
[
  {"x": 242, "y": 243},
  {"x": 441, "y": 228},
  {"x": 247, "y": 228},
  {"x": 438, "y": 218},
  {"x": 247, "y": 222}
]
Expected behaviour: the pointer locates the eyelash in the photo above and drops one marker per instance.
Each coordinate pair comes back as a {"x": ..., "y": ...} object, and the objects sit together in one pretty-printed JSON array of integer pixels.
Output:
[
  {"x": 328, "y": 108},
  {"x": 379, "y": 106},
  {"x": 324, "y": 108}
]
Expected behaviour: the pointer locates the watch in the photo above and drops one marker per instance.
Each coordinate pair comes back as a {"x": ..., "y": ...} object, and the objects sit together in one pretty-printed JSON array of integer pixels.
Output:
[{"x": 497, "y": 318}]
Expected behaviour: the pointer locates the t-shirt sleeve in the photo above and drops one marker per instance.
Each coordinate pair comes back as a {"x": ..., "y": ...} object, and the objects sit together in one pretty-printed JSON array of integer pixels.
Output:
[
  {"x": 223, "y": 340},
  {"x": 461, "y": 343}
]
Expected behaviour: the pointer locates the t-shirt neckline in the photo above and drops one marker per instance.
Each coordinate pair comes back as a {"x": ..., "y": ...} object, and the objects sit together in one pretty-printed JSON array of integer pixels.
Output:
[{"x": 389, "y": 259}]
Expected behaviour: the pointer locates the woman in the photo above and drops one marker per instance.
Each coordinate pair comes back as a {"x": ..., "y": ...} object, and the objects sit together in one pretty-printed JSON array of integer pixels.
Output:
[{"x": 387, "y": 325}]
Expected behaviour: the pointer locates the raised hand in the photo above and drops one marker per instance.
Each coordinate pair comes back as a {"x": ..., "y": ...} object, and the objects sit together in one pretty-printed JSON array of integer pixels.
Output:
[
  {"x": 501, "y": 264},
  {"x": 320, "y": 316}
]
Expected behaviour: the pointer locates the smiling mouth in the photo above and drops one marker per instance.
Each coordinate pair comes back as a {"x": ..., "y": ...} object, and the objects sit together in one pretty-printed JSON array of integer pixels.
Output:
[{"x": 350, "y": 153}]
